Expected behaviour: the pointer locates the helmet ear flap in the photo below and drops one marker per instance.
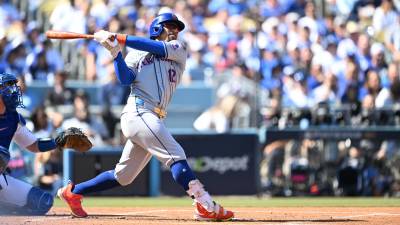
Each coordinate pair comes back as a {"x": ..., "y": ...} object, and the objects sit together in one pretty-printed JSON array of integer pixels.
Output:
[{"x": 156, "y": 30}]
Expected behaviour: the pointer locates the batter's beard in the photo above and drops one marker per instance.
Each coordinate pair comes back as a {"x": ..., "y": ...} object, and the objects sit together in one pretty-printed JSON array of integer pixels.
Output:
[{"x": 172, "y": 37}]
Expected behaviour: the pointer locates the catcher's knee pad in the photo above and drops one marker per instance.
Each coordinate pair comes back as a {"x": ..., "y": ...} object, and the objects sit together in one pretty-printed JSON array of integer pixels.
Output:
[{"x": 39, "y": 202}]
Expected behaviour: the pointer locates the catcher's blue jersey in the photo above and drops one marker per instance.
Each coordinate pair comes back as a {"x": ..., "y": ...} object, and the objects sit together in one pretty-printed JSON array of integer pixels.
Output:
[{"x": 8, "y": 125}]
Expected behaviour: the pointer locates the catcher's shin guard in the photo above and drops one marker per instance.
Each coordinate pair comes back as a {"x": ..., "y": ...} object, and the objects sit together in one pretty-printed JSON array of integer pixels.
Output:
[{"x": 74, "y": 201}]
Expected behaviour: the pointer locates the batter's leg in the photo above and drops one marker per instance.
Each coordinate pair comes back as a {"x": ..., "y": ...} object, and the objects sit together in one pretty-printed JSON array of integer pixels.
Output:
[
  {"x": 148, "y": 131},
  {"x": 131, "y": 163},
  {"x": 133, "y": 159}
]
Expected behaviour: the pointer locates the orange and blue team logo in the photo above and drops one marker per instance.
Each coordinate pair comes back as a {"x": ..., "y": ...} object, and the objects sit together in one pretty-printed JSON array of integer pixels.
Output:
[{"x": 175, "y": 46}]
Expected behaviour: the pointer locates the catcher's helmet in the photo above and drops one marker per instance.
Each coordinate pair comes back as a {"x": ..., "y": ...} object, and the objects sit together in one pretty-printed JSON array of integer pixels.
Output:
[
  {"x": 10, "y": 92},
  {"x": 157, "y": 26}
]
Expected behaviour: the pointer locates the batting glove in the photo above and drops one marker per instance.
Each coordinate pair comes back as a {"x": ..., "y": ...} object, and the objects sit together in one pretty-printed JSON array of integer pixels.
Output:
[{"x": 109, "y": 41}]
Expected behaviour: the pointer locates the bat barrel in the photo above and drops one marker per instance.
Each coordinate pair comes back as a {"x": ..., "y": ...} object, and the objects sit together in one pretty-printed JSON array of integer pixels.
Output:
[
  {"x": 66, "y": 35},
  {"x": 121, "y": 38}
]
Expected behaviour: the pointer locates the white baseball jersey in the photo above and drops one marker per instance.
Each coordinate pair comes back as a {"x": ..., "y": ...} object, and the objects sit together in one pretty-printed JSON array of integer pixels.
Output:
[
  {"x": 157, "y": 78},
  {"x": 155, "y": 82}
]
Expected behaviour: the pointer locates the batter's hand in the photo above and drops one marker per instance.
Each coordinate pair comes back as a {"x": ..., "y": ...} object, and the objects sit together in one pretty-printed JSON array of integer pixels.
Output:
[{"x": 109, "y": 41}]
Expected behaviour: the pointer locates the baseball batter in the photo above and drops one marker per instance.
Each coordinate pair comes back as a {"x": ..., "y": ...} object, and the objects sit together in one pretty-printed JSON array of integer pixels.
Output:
[
  {"x": 153, "y": 69},
  {"x": 18, "y": 197}
]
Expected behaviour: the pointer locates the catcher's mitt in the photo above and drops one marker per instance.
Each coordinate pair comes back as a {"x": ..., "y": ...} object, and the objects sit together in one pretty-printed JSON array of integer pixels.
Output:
[{"x": 73, "y": 138}]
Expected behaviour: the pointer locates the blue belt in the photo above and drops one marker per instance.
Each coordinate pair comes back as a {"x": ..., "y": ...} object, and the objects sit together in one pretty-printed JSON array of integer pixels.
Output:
[{"x": 157, "y": 110}]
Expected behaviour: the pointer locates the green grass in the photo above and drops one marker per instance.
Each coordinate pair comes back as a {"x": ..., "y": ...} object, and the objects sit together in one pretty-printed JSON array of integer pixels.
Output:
[{"x": 239, "y": 202}]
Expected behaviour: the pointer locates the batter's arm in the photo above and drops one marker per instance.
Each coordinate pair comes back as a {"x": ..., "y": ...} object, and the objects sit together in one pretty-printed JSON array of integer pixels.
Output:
[
  {"x": 124, "y": 74},
  {"x": 145, "y": 44}
]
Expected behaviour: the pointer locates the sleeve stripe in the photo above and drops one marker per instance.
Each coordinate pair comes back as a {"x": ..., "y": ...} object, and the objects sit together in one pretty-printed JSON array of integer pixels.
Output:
[
  {"x": 166, "y": 50},
  {"x": 21, "y": 119},
  {"x": 133, "y": 73}
]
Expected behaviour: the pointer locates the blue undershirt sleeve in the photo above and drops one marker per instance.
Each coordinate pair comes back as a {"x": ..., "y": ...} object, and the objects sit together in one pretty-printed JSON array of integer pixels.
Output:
[
  {"x": 124, "y": 74},
  {"x": 147, "y": 45},
  {"x": 46, "y": 144}
]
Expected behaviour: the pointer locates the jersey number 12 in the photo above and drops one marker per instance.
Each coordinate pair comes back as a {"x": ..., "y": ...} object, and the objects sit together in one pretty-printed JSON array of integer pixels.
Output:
[{"x": 172, "y": 75}]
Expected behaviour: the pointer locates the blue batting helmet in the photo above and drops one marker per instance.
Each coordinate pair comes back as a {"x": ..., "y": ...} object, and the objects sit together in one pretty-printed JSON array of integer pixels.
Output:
[
  {"x": 157, "y": 26},
  {"x": 10, "y": 92}
]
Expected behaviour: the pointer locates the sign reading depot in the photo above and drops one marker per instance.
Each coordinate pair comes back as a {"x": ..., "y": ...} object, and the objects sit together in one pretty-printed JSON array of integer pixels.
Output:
[
  {"x": 218, "y": 160},
  {"x": 219, "y": 164}
]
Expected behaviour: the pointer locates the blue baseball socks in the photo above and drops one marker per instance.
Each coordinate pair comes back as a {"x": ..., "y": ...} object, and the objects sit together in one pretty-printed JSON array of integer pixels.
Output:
[{"x": 104, "y": 181}]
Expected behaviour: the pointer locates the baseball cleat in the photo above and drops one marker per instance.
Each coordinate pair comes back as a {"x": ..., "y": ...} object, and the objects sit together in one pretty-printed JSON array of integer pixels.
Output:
[
  {"x": 74, "y": 201},
  {"x": 219, "y": 213}
]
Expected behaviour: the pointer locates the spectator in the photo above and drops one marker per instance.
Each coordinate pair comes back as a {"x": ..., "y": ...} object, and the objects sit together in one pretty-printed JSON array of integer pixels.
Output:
[
  {"x": 42, "y": 126},
  {"x": 15, "y": 58},
  {"x": 348, "y": 46},
  {"x": 40, "y": 69},
  {"x": 269, "y": 8},
  {"x": 393, "y": 73},
  {"x": 378, "y": 62},
  {"x": 372, "y": 84},
  {"x": 363, "y": 52},
  {"x": 326, "y": 92},
  {"x": 392, "y": 40},
  {"x": 195, "y": 69},
  {"x": 385, "y": 16},
  {"x": 233, "y": 107},
  {"x": 47, "y": 166},
  {"x": 241, "y": 86},
  {"x": 48, "y": 170},
  {"x": 33, "y": 36},
  {"x": 112, "y": 93},
  {"x": 52, "y": 55},
  {"x": 219, "y": 117},
  {"x": 29, "y": 101},
  {"x": 42, "y": 60},
  {"x": 70, "y": 16},
  {"x": 349, "y": 74},
  {"x": 295, "y": 90},
  {"x": 389, "y": 97},
  {"x": 272, "y": 172},
  {"x": 60, "y": 95},
  {"x": 82, "y": 118},
  {"x": 8, "y": 14}
]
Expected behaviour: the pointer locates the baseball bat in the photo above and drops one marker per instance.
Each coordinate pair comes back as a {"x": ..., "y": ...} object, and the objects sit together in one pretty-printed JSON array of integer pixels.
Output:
[
  {"x": 66, "y": 35},
  {"x": 51, "y": 34}
]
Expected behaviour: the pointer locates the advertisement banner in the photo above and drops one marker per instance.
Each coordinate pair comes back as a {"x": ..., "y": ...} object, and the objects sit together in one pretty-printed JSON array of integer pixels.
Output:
[{"x": 225, "y": 163}]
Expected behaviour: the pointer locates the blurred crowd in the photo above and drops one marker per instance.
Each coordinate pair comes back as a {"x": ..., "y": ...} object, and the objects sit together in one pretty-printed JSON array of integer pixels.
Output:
[
  {"x": 278, "y": 63},
  {"x": 328, "y": 166},
  {"x": 261, "y": 55}
]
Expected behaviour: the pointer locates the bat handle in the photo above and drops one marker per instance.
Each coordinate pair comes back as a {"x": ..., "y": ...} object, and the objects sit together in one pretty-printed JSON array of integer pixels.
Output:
[
  {"x": 88, "y": 36},
  {"x": 121, "y": 38}
]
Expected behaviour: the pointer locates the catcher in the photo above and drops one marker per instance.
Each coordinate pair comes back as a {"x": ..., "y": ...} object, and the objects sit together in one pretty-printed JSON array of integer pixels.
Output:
[{"x": 18, "y": 197}]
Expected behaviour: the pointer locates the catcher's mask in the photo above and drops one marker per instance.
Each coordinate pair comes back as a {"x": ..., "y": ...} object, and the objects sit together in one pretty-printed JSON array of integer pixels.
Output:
[
  {"x": 157, "y": 27},
  {"x": 10, "y": 92}
]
